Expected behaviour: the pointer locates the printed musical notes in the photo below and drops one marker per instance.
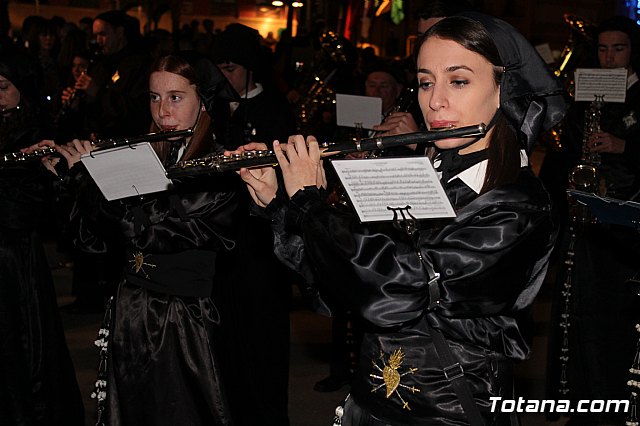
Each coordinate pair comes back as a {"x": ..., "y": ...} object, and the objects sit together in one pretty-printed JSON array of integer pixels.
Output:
[
  {"x": 375, "y": 184},
  {"x": 609, "y": 83}
]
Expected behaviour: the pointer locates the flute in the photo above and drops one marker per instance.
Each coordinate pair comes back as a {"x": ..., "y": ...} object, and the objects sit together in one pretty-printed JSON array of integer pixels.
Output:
[
  {"x": 249, "y": 159},
  {"x": 101, "y": 144}
]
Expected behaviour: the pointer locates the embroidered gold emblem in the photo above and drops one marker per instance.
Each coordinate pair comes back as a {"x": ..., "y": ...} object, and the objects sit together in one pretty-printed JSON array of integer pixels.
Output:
[
  {"x": 139, "y": 263},
  {"x": 391, "y": 376},
  {"x": 115, "y": 77}
]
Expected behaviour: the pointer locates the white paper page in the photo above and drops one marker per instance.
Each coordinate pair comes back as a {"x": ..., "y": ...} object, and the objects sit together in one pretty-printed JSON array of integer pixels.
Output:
[
  {"x": 127, "y": 171},
  {"x": 545, "y": 52},
  {"x": 351, "y": 109},
  {"x": 374, "y": 184},
  {"x": 612, "y": 83}
]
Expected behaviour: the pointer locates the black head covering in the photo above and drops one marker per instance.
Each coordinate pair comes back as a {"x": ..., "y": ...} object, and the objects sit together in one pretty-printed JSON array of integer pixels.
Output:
[
  {"x": 212, "y": 85},
  {"x": 531, "y": 98},
  {"x": 118, "y": 18},
  {"x": 238, "y": 44},
  {"x": 19, "y": 68},
  {"x": 394, "y": 70}
]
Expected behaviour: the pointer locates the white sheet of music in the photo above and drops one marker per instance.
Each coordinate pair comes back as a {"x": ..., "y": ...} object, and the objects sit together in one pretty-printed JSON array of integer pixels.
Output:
[
  {"x": 353, "y": 109},
  {"x": 609, "y": 83},
  {"x": 127, "y": 171},
  {"x": 374, "y": 185}
]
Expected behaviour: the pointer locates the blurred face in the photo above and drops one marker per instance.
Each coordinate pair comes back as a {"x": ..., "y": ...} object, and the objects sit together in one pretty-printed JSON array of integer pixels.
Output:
[
  {"x": 79, "y": 66},
  {"x": 237, "y": 76},
  {"x": 382, "y": 85},
  {"x": 110, "y": 39},
  {"x": 614, "y": 50},
  {"x": 174, "y": 101},
  {"x": 456, "y": 89},
  {"x": 46, "y": 41},
  {"x": 9, "y": 94}
]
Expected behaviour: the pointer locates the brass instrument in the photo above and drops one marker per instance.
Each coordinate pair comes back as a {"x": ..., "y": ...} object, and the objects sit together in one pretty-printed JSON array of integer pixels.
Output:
[
  {"x": 402, "y": 103},
  {"x": 578, "y": 49},
  {"x": 315, "y": 89},
  {"x": 576, "y": 53},
  {"x": 21, "y": 157},
  {"x": 585, "y": 176},
  {"x": 249, "y": 159}
]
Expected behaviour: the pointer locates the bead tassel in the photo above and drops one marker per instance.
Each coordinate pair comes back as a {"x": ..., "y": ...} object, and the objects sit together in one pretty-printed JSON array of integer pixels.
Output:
[
  {"x": 100, "y": 391},
  {"x": 634, "y": 384}
]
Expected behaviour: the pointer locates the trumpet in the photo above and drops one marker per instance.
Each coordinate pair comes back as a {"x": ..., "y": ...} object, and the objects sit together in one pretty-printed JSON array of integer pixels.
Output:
[
  {"x": 250, "y": 159},
  {"x": 101, "y": 144}
]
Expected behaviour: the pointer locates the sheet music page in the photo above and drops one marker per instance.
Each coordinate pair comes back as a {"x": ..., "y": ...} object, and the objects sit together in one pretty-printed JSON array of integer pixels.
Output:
[
  {"x": 352, "y": 109},
  {"x": 612, "y": 83},
  {"x": 127, "y": 171},
  {"x": 610, "y": 210},
  {"x": 375, "y": 184}
]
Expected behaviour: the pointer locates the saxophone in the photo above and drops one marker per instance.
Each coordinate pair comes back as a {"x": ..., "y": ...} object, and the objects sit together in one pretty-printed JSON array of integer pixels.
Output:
[{"x": 585, "y": 176}]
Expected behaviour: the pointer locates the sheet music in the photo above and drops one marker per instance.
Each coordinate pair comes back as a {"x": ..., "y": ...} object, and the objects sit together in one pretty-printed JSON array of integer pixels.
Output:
[
  {"x": 610, "y": 210},
  {"x": 127, "y": 171},
  {"x": 612, "y": 83},
  {"x": 375, "y": 184},
  {"x": 352, "y": 109}
]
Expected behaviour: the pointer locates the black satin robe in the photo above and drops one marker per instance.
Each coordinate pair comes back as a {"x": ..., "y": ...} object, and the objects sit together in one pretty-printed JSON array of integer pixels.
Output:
[
  {"x": 37, "y": 380},
  {"x": 492, "y": 259},
  {"x": 163, "y": 369}
]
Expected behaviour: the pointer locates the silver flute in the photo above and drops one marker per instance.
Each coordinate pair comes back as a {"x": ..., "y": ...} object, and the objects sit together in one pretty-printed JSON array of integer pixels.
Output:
[
  {"x": 20, "y": 157},
  {"x": 249, "y": 159}
]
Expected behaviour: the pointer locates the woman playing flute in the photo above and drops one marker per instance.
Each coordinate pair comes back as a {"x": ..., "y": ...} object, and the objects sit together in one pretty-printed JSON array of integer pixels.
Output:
[{"x": 449, "y": 310}]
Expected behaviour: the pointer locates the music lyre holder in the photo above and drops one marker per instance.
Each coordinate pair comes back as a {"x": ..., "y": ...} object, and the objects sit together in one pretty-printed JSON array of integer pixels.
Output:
[{"x": 403, "y": 220}]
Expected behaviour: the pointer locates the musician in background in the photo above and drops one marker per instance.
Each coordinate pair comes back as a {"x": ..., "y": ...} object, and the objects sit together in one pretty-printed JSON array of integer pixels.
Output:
[
  {"x": 116, "y": 87},
  {"x": 602, "y": 309},
  {"x": 387, "y": 82},
  {"x": 262, "y": 114},
  {"x": 254, "y": 301},
  {"x": 37, "y": 379},
  {"x": 162, "y": 365}
]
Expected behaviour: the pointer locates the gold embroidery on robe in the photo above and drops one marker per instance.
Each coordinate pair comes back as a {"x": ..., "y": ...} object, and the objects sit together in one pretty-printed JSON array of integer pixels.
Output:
[
  {"x": 138, "y": 263},
  {"x": 391, "y": 376}
]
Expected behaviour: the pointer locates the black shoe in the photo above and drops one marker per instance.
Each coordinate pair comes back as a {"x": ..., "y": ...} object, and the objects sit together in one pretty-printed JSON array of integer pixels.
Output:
[{"x": 331, "y": 384}]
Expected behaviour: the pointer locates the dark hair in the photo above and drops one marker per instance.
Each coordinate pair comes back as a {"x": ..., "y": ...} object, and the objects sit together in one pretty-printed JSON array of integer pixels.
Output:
[
  {"x": 503, "y": 147},
  {"x": 200, "y": 143},
  {"x": 118, "y": 18},
  {"x": 17, "y": 66},
  {"x": 631, "y": 29},
  {"x": 239, "y": 44},
  {"x": 41, "y": 27}
]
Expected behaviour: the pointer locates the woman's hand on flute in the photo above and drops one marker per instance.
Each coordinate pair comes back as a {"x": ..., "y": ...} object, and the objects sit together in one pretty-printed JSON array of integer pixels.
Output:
[
  {"x": 73, "y": 150},
  {"x": 300, "y": 163},
  {"x": 48, "y": 161},
  {"x": 262, "y": 182}
]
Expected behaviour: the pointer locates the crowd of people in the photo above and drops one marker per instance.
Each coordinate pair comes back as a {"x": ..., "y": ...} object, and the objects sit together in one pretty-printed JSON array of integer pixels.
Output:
[{"x": 435, "y": 316}]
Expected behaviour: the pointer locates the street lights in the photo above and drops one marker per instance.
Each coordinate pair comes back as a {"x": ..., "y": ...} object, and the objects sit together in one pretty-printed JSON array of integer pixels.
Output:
[{"x": 292, "y": 6}]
